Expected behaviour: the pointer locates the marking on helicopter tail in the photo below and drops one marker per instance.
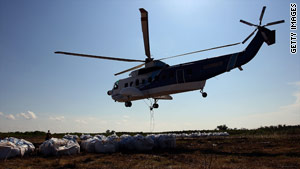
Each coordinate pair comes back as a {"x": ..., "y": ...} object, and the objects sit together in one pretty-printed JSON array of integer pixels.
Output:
[
  {"x": 231, "y": 62},
  {"x": 213, "y": 65}
]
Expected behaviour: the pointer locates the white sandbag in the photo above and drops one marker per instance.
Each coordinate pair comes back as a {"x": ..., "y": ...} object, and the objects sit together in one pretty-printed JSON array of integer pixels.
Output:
[
  {"x": 100, "y": 144},
  {"x": 199, "y": 134},
  {"x": 113, "y": 137},
  {"x": 222, "y": 134},
  {"x": 56, "y": 146},
  {"x": 166, "y": 141},
  {"x": 8, "y": 149},
  {"x": 89, "y": 145},
  {"x": 11, "y": 147},
  {"x": 154, "y": 137},
  {"x": 106, "y": 146},
  {"x": 71, "y": 137},
  {"x": 85, "y": 137},
  {"x": 142, "y": 143},
  {"x": 101, "y": 137},
  {"x": 126, "y": 142}
]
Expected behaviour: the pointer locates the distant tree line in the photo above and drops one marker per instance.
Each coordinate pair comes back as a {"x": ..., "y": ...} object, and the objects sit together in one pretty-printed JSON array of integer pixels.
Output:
[{"x": 279, "y": 129}]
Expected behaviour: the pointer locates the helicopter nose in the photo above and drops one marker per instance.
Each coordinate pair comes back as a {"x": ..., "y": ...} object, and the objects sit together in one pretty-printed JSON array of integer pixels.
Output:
[{"x": 109, "y": 92}]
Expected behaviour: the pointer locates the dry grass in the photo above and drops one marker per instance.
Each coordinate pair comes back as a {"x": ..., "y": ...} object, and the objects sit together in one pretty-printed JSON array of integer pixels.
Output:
[{"x": 272, "y": 151}]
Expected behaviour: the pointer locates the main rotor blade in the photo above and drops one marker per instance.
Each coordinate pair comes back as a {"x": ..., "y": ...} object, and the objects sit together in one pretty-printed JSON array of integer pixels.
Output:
[
  {"x": 98, "y": 57},
  {"x": 138, "y": 66},
  {"x": 273, "y": 23},
  {"x": 200, "y": 51},
  {"x": 144, "y": 21},
  {"x": 247, "y": 23},
  {"x": 249, "y": 36},
  {"x": 262, "y": 15}
]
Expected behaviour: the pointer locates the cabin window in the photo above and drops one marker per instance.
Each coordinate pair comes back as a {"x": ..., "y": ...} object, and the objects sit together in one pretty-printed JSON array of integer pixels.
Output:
[
  {"x": 163, "y": 77},
  {"x": 143, "y": 81},
  {"x": 116, "y": 85},
  {"x": 131, "y": 84},
  {"x": 126, "y": 85},
  {"x": 150, "y": 79},
  {"x": 137, "y": 82}
]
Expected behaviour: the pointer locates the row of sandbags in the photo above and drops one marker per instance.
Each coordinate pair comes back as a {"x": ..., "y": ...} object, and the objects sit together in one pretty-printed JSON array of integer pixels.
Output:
[
  {"x": 180, "y": 135},
  {"x": 113, "y": 143},
  {"x": 199, "y": 134},
  {"x": 68, "y": 145},
  {"x": 141, "y": 143},
  {"x": 12, "y": 147}
]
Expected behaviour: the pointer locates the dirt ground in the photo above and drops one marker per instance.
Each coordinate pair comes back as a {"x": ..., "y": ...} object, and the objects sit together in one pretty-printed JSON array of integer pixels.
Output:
[{"x": 270, "y": 151}]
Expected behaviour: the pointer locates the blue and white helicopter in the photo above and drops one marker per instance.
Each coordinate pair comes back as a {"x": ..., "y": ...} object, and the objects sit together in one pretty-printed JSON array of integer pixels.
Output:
[{"x": 158, "y": 81}]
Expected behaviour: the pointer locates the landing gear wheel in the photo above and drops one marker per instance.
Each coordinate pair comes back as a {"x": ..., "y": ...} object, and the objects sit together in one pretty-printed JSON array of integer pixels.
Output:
[
  {"x": 204, "y": 94},
  {"x": 128, "y": 104},
  {"x": 155, "y": 105}
]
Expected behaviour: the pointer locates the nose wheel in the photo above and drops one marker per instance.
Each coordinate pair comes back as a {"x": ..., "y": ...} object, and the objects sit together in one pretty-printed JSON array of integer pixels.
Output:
[
  {"x": 204, "y": 94},
  {"x": 128, "y": 104}
]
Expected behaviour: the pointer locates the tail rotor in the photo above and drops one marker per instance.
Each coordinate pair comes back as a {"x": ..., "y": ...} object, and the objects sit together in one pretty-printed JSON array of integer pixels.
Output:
[{"x": 259, "y": 26}]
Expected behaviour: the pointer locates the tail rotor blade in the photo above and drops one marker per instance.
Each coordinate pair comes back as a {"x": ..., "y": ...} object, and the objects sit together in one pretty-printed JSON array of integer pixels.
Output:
[
  {"x": 247, "y": 23},
  {"x": 273, "y": 23},
  {"x": 262, "y": 15},
  {"x": 136, "y": 67},
  {"x": 249, "y": 36}
]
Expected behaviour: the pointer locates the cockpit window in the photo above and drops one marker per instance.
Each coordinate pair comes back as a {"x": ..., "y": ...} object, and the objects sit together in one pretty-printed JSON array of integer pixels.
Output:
[{"x": 116, "y": 86}]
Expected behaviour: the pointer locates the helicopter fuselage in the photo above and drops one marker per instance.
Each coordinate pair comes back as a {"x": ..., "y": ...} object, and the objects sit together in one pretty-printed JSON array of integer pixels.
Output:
[
  {"x": 162, "y": 81},
  {"x": 157, "y": 80}
]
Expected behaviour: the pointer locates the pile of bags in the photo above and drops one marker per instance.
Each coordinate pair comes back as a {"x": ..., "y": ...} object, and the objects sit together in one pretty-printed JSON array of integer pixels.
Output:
[
  {"x": 64, "y": 146},
  {"x": 68, "y": 145},
  {"x": 100, "y": 144},
  {"x": 136, "y": 143},
  {"x": 11, "y": 147},
  {"x": 141, "y": 143},
  {"x": 71, "y": 137},
  {"x": 199, "y": 134},
  {"x": 113, "y": 143},
  {"x": 85, "y": 137}
]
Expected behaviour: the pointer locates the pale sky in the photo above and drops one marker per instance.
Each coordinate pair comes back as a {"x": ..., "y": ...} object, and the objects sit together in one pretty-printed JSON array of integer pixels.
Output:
[{"x": 40, "y": 90}]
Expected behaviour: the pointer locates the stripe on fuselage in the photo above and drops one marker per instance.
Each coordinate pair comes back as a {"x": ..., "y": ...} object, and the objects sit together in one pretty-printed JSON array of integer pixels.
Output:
[
  {"x": 232, "y": 61},
  {"x": 166, "y": 90}
]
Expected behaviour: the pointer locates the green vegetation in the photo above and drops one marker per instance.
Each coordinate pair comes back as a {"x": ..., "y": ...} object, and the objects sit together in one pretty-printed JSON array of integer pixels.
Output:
[{"x": 268, "y": 130}]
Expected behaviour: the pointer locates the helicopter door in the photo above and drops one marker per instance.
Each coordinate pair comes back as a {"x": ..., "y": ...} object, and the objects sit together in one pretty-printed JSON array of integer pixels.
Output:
[{"x": 180, "y": 76}]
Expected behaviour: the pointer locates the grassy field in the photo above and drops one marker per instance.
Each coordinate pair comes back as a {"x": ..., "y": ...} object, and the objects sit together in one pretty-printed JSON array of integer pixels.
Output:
[{"x": 249, "y": 150}]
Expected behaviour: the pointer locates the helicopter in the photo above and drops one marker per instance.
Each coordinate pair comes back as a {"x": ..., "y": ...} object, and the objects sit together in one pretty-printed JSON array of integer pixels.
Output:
[{"x": 158, "y": 80}]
